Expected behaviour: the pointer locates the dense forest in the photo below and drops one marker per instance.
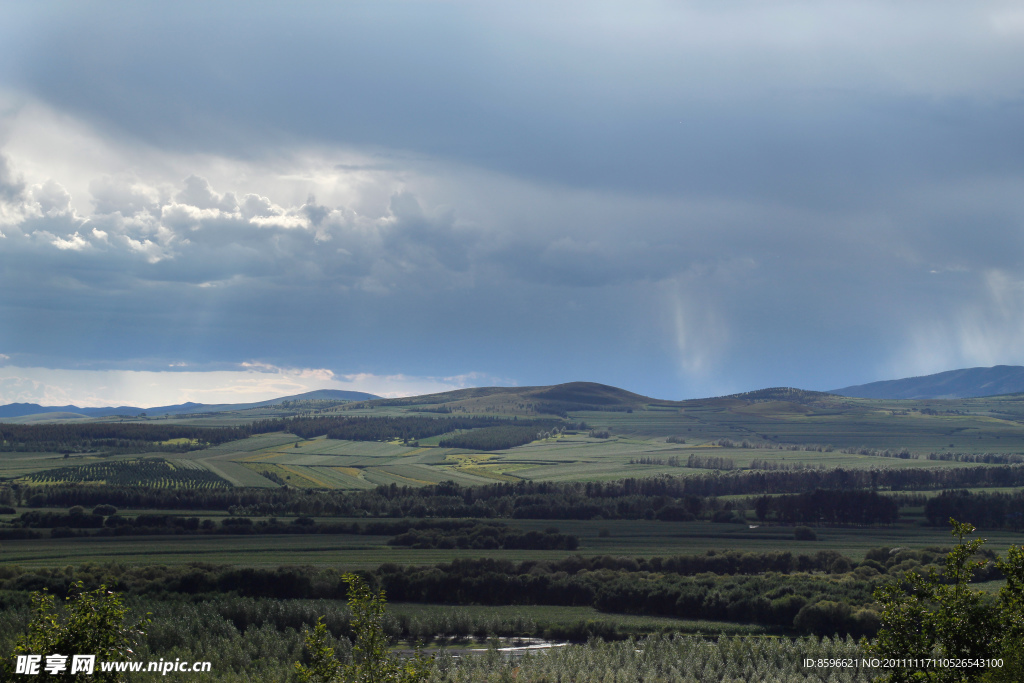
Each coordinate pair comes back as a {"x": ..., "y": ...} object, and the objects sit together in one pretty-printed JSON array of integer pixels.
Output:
[
  {"x": 113, "y": 437},
  {"x": 820, "y": 593}
]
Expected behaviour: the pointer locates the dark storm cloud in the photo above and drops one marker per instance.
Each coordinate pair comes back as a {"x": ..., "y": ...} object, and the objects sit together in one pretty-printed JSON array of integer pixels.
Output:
[
  {"x": 677, "y": 197},
  {"x": 644, "y": 109}
]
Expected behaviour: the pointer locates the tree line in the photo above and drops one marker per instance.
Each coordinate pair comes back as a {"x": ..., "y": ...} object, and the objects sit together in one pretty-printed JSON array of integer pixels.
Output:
[
  {"x": 986, "y": 458},
  {"x": 114, "y": 437},
  {"x": 421, "y": 534},
  {"x": 829, "y": 508},
  {"x": 983, "y": 510},
  {"x": 662, "y": 497}
]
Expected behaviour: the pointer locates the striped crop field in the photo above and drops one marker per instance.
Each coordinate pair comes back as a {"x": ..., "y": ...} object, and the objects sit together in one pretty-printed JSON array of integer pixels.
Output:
[
  {"x": 435, "y": 475},
  {"x": 237, "y": 473},
  {"x": 309, "y": 474},
  {"x": 258, "y": 442},
  {"x": 374, "y": 449},
  {"x": 335, "y": 478},
  {"x": 350, "y": 471},
  {"x": 136, "y": 472}
]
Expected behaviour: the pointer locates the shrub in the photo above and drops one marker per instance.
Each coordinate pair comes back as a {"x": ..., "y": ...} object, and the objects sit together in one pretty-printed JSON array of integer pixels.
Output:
[
  {"x": 89, "y": 623},
  {"x": 804, "y": 533},
  {"x": 723, "y": 516},
  {"x": 939, "y": 616},
  {"x": 823, "y": 618},
  {"x": 371, "y": 660},
  {"x": 840, "y": 565}
]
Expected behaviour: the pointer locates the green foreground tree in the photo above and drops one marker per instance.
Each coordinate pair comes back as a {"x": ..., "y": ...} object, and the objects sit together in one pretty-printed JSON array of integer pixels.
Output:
[
  {"x": 86, "y": 623},
  {"x": 371, "y": 661},
  {"x": 940, "y": 617}
]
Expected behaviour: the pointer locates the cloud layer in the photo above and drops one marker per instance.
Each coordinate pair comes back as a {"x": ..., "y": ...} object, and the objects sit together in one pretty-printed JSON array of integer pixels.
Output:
[{"x": 680, "y": 199}]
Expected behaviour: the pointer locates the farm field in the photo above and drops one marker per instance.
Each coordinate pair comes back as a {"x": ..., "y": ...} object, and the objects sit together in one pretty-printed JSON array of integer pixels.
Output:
[
  {"x": 322, "y": 463},
  {"x": 325, "y": 463},
  {"x": 629, "y": 538},
  {"x": 628, "y": 437}
]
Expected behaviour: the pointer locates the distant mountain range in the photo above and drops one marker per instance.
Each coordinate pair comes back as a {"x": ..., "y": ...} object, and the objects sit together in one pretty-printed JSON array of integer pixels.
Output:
[
  {"x": 14, "y": 410},
  {"x": 966, "y": 383}
]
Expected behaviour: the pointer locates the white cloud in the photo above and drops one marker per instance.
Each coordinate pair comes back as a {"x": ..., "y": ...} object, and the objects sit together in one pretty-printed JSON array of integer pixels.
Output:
[
  {"x": 253, "y": 205},
  {"x": 154, "y": 252},
  {"x": 52, "y": 198},
  {"x": 42, "y": 144},
  {"x": 198, "y": 193},
  {"x": 181, "y": 213},
  {"x": 74, "y": 242},
  {"x": 124, "y": 194}
]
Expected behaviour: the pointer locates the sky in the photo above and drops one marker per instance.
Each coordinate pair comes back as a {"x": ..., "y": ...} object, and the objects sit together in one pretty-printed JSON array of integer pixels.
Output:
[{"x": 234, "y": 201}]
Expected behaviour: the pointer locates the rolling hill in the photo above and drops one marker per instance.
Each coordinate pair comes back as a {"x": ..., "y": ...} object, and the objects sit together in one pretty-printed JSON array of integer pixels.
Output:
[{"x": 558, "y": 398}]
